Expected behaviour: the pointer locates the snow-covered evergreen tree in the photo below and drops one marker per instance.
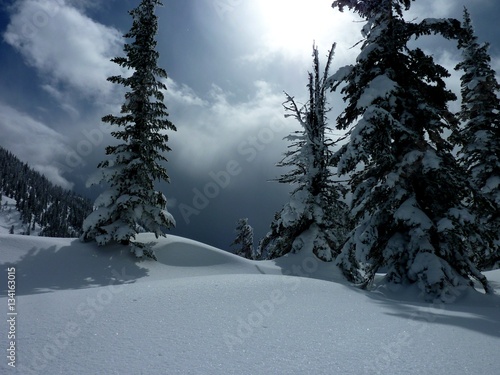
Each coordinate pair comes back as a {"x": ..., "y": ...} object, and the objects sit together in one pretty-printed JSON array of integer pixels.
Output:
[
  {"x": 315, "y": 217},
  {"x": 408, "y": 189},
  {"x": 244, "y": 240},
  {"x": 135, "y": 164},
  {"x": 480, "y": 134}
]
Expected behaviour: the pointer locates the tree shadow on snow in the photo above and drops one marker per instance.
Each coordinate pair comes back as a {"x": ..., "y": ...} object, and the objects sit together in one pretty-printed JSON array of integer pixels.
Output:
[
  {"x": 472, "y": 311},
  {"x": 78, "y": 266}
]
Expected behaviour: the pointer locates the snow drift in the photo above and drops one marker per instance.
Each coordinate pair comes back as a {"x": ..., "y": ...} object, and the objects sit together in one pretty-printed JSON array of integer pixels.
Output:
[{"x": 200, "y": 310}]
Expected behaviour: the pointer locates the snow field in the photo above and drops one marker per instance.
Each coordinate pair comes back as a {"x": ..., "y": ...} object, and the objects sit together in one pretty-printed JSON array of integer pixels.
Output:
[{"x": 200, "y": 310}]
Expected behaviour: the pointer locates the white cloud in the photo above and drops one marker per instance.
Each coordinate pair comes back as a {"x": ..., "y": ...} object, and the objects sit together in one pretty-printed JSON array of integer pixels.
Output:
[
  {"x": 63, "y": 100},
  {"x": 182, "y": 94},
  {"x": 210, "y": 129},
  {"x": 449, "y": 60},
  {"x": 53, "y": 174},
  {"x": 286, "y": 29},
  {"x": 495, "y": 64},
  {"x": 433, "y": 9},
  {"x": 33, "y": 142},
  {"x": 65, "y": 46}
]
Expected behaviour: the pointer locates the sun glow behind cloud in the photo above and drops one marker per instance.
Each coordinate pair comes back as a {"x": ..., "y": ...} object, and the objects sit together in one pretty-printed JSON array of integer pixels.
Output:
[{"x": 290, "y": 26}]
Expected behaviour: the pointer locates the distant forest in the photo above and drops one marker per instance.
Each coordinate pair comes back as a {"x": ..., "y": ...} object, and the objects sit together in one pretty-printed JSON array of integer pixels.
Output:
[{"x": 58, "y": 212}]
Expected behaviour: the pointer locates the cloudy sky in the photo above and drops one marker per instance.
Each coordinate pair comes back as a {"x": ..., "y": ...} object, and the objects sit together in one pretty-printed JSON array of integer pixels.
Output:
[{"x": 228, "y": 61}]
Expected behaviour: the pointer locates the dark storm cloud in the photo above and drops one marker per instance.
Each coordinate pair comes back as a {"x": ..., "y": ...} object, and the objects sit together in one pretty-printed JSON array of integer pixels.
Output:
[{"x": 228, "y": 63}]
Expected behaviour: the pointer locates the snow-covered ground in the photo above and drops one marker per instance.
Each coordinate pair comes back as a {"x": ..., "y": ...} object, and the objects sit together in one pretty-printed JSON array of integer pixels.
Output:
[
  {"x": 199, "y": 310},
  {"x": 10, "y": 218}
]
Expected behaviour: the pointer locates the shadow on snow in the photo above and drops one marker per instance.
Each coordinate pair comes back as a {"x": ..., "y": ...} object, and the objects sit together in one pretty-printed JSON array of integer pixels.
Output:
[{"x": 77, "y": 266}]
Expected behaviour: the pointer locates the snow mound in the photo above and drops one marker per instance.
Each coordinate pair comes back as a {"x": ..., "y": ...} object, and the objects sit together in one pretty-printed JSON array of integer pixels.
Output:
[
  {"x": 180, "y": 252},
  {"x": 181, "y": 257},
  {"x": 86, "y": 265},
  {"x": 200, "y": 310}
]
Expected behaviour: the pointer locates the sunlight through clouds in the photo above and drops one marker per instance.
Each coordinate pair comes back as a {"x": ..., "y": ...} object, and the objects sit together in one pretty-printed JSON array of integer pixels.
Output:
[
  {"x": 211, "y": 128},
  {"x": 289, "y": 28}
]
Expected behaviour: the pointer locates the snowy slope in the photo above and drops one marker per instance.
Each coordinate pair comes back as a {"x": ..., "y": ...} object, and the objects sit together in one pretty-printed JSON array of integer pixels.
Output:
[
  {"x": 10, "y": 217},
  {"x": 200, "y": 310}
]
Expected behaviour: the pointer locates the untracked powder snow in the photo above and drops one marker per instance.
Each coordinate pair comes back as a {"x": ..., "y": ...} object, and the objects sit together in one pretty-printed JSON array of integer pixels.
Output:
[{"x": 200, "y": 310}]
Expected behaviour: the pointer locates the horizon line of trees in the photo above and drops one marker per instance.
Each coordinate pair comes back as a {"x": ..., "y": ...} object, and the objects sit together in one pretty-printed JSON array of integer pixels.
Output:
[{"x": 55, "y": 211}]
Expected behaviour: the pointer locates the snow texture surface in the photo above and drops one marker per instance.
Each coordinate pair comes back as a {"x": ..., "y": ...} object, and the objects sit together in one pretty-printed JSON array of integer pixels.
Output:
[{"x": 201, "y": 310}]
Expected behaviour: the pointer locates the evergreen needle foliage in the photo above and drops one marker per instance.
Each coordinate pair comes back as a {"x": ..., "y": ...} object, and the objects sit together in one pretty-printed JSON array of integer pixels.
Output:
[
  {"x": 132, "y": 204},
  {"x": 244, "y": 240},
  {"x": 412, "y": 202},
  {"x": 314, "y": 219},
  {"x": 55, "y": 211},
  {"x": 480, "y": 132}
]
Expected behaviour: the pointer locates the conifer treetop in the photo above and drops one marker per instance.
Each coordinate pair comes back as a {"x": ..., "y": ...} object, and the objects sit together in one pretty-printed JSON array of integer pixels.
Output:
[{"x": 370, "y": 8}]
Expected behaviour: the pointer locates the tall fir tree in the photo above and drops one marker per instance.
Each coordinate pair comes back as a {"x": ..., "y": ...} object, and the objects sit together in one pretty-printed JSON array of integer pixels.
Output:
[
  {"x": 479, "y": 135},
  {"x": 244, "y": 240},
  {"x": 314, "y": 219},
  {"x": 408, "y": 191},
  {"x": 135, "y": 164}
]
